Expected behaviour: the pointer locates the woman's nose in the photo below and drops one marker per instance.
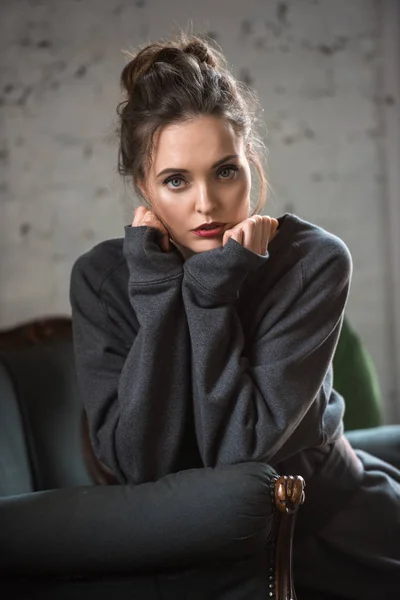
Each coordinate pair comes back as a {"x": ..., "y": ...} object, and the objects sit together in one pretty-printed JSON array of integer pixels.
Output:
[{"x": 205, "y": 202}]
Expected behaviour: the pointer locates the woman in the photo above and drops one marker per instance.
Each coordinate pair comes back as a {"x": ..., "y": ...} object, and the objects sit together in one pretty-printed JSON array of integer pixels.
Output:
[{"x": 206, "y": 335}]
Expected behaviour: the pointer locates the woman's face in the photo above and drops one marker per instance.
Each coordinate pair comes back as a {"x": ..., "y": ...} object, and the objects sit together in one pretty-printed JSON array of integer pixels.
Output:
[{"x": 199, "y": 174}]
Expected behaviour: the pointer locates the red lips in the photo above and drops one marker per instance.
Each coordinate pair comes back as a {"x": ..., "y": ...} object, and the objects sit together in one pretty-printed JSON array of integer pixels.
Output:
[
  {"x": 210, "y": 225},
  {"x": 210, "y": 230}
]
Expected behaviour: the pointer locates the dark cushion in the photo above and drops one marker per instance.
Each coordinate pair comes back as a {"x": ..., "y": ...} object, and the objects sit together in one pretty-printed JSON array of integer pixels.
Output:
[
  {"x": 44, "y": 382},
  {"x": 15, "y": 464}
]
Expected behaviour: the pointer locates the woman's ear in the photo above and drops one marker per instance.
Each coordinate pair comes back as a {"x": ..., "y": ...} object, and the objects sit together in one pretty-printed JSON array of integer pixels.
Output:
[
  {"x": 143, "y": 192},
  {"x": 140, "y": 186}
]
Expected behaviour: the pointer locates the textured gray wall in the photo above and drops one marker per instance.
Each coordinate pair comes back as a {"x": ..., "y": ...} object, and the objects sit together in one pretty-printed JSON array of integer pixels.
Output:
[{"x": 315, "y": 65}]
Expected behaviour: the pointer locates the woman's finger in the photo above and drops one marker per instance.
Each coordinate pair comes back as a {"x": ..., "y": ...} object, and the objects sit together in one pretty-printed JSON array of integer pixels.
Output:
[
  {"x": 229, "y": 233},
  {"x": 258, "y": 235},
  {"x": 145, "y": 217},
  {"x": 270, "y": 225},
  {"x": 139, "y": 213},
  {"x": 274, "y": 229},
  {"x": 249, "y": 229},
  {"x": 265, "y": 234},
  {"x": 254, "y": 233},
  {"x": 151, "y": 220},
  {"x": 237, "y": 235}
]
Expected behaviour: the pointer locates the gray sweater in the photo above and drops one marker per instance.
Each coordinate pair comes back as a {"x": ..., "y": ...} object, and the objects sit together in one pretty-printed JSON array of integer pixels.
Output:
[{"x": 223, "y": 358}]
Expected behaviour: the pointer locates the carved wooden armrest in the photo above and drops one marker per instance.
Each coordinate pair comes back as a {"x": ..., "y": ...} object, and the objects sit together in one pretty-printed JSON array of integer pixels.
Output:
[{"x": 287, "y": 491}]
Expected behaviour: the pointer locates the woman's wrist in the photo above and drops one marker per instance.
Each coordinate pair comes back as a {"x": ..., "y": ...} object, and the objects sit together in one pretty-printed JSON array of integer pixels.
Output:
[
  {"x": 222, "y": 271},
  {"x": 146, "y": 261}
]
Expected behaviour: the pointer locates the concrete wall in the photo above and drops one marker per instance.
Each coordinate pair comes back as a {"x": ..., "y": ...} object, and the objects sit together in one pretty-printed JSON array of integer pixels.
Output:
[{"x": 316, "y": 65}]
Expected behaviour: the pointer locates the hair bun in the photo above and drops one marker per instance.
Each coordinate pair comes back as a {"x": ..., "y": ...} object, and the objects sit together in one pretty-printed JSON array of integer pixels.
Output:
[
  {"x": 171, "y": 53},
  {"x": 201, "y": 51},
  {"x": 139, "y": 65}
]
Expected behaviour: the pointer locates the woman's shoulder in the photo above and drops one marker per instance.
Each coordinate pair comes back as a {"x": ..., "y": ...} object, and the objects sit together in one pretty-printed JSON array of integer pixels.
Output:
[
  {"x": 101, "y": 265},
  {"x": 314, "y": 243}
]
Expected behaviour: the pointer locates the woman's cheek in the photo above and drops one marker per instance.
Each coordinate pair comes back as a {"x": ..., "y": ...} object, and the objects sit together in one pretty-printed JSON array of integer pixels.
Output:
[
  {"x": 243, "y": 203},
  {"x": 172, "y": 221}
]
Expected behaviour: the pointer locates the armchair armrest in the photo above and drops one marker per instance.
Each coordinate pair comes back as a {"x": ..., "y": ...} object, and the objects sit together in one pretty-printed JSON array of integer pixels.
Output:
[
  {"x": 383, "y": 442},
  {"x": 185, "y": 518}
]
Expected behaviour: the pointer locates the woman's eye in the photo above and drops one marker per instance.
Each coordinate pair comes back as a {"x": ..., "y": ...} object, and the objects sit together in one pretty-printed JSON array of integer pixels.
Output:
[
  {"x": 228, "y": 172},
  {"x": 174, "y": 182}
]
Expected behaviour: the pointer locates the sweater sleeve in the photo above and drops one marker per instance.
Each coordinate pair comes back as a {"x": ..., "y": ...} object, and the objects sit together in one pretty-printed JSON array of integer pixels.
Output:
[
  {"x": 134, "y": 377},
  {"x": 248, "y": 405}
]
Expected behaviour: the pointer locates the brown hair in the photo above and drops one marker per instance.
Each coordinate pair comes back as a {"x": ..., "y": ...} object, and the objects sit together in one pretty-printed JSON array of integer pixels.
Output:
[{"x": 176, "y": 81}]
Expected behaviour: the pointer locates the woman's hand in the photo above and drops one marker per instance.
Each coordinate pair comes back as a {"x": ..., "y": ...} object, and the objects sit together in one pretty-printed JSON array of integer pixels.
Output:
[
  {"x": 253, "y": 233},
  {"x": 145, "y": 217}
]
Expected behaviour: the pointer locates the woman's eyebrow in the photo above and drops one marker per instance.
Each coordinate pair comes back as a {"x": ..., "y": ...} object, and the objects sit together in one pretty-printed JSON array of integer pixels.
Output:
[
  {"x": 220, "y": 162},
  {"x": 217, "y": 164}
]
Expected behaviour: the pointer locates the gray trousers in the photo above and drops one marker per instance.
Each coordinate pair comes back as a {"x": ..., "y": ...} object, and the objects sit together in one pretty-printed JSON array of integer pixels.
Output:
[{"x": 347, "y": 537}]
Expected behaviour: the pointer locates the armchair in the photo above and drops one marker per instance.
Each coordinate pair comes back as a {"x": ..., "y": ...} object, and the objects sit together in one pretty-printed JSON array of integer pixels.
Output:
[{"x": 68, "y": 530}]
